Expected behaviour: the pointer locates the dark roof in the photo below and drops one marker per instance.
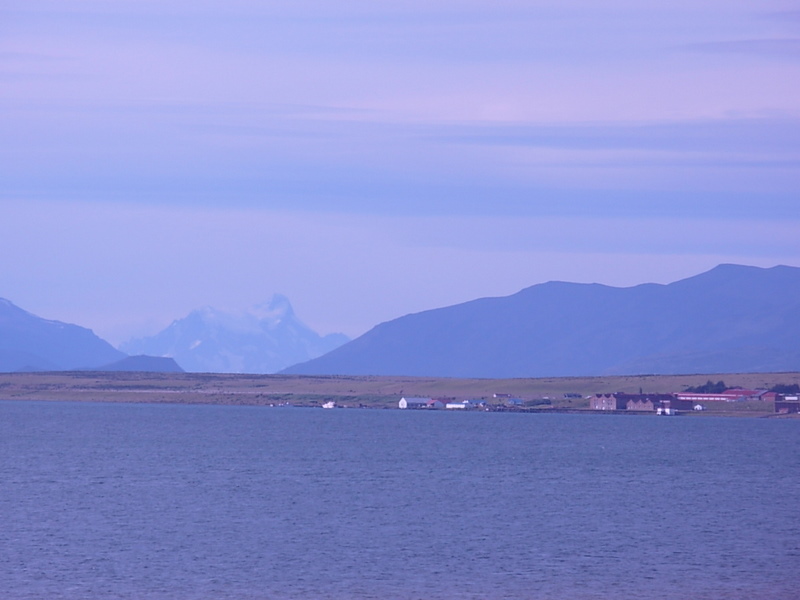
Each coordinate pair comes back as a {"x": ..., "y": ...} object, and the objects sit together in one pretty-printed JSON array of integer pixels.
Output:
[{"x": 645, "y": 397}]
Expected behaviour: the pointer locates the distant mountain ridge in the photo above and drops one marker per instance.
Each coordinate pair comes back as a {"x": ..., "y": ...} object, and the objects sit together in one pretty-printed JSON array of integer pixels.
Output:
[
  {"x": 143, "y": 363},
  {"x": 31, "y": 343},
  {"x": 731, "y": 318},
  {"x": 264, "y": 339}
]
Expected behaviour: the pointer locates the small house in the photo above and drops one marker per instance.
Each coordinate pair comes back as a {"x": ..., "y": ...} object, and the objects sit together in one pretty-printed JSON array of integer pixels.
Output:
[
  {"x": 414, "y": 402},
  {"x": 668, "y": 403},
  {"x": 787, "y": 407},
  {"x": 653, "y": 402},
  {"x": 475, "y": 402},
  {"x": 420, "y": 403},
  {"x": 607, "y": 402}
]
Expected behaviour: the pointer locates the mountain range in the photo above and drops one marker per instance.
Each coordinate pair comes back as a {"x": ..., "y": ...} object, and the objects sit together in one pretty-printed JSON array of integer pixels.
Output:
[
  {"x": 30, "y": 343},
  {"x": 265, "y": 339},
  {"x": 730, "y": 319}
]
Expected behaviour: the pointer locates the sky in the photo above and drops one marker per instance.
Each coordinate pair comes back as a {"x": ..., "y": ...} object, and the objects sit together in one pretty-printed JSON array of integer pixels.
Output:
[{"x": 370, "y": 160}]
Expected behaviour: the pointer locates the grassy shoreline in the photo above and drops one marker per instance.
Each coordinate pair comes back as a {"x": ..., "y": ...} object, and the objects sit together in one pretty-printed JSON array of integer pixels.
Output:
[{"x": 365, "y": 391}]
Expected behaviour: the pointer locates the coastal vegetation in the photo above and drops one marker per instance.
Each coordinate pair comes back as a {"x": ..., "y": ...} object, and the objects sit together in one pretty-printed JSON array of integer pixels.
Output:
[{"x": 709, "y": 387}]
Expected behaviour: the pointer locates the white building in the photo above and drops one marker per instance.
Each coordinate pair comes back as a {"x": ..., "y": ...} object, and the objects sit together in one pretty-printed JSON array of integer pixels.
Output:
[
  {"x": 414, "y": 402},
  {"x": 427, "y": 403}
]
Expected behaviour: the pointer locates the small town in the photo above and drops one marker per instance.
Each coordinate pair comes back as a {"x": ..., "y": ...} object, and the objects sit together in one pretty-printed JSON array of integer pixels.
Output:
[
  {"x": 660, "y": 404},
  {"x": 745, "y": 395}
]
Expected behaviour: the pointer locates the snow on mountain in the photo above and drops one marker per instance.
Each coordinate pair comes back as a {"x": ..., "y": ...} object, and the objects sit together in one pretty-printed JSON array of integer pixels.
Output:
[{"x": 264, "y": 339}]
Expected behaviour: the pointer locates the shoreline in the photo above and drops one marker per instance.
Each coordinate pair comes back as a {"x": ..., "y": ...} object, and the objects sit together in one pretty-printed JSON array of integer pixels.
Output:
[{"x": 544, "y": 395}]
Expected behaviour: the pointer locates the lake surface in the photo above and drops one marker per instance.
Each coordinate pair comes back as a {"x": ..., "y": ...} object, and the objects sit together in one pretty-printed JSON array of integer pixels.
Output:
[{"x": 145, "y": 502}]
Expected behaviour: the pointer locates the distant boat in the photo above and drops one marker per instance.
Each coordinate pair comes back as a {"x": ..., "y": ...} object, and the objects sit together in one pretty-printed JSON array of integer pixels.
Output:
[{"x": 330, "y": 404}]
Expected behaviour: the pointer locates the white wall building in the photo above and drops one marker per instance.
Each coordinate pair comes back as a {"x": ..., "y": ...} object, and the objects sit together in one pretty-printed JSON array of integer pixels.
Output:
[{"x": 414, "y": 402}]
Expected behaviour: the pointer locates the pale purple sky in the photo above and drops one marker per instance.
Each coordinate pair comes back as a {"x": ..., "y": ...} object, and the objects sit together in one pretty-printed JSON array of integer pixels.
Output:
[{"x": 369, "y": 161}]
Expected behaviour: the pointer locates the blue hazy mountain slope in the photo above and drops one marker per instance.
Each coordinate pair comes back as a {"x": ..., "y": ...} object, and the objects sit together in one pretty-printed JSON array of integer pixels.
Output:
[
  {"x": 732, "y": 318},
  {"x": 143, "y": 363},
  {"x": 265, "y": 339},
  {"x": 30, "y": 343}
]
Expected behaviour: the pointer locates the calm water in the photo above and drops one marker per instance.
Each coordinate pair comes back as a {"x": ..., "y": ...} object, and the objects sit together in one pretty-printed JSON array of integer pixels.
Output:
[{"x": 188, "y": 502}]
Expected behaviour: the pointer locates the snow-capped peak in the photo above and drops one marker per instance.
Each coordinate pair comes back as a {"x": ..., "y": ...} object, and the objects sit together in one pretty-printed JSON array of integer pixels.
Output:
[
  {"x": 274, "y": 310},
  {"x": 263, "y": 339}
]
